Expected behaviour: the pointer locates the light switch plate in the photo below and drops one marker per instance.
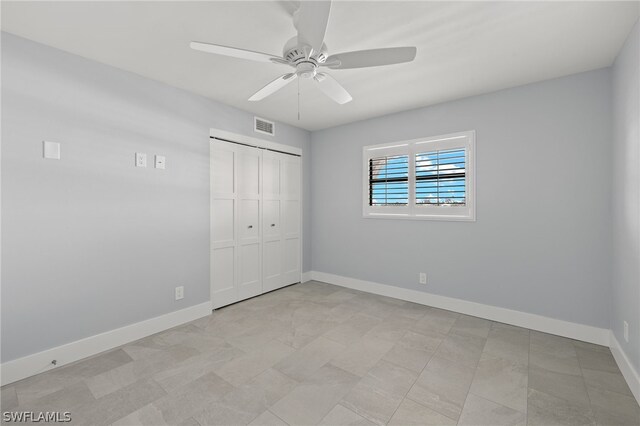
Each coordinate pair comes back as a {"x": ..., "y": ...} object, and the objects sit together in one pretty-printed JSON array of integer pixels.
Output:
[
  {"x": 141, "y": 159},
  {"x": 160, "y": 162},
  {"x": 51, "y": 150}
]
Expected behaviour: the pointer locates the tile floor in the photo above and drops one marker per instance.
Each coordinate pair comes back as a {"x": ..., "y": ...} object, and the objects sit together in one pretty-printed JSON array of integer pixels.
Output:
[{"x": 318, "y": 354}]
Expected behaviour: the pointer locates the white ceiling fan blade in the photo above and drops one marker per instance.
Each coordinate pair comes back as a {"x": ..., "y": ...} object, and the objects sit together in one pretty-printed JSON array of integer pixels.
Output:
[
  {"x": 234, "y": 52},
  {"x": 273, "y": 87},
  {"x": 311, "y": 22},
  {"x": 332, "y": 88},
  {"x": 371, "y": 58}
]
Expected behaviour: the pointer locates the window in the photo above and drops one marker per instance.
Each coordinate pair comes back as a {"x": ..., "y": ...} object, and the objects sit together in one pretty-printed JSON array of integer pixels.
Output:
[{"x": 430, "y": 178}]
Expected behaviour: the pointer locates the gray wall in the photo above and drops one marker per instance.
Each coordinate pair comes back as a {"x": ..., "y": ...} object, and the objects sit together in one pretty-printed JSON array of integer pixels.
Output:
[
  {"x": 626, "y": 196},
  {"x": 91, "y": 243},
  {"x": 542, "y": 240}
]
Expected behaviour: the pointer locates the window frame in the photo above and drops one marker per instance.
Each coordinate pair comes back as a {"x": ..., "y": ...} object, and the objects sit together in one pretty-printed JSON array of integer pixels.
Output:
[{"x": 413, "y": 211}]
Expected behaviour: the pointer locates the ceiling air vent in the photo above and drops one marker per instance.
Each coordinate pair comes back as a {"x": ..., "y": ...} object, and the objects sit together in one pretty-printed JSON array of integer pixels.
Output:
[{"x": 261, "y": 125}]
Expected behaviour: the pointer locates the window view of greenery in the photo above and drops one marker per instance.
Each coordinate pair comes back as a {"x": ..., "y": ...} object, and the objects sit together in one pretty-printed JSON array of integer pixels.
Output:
[
  {"x": 389, "y": 181},
  {"x": 440, "y": 178}
]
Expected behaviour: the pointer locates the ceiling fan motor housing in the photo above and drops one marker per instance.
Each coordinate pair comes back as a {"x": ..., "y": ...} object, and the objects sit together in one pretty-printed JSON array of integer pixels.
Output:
[{"x": 296, "y": 55}]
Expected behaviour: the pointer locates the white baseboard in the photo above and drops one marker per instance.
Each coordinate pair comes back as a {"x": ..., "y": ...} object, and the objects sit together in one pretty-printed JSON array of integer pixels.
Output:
[
  {"x": 30, "y": 365},
  {"x": 306, "y": 276},
  {"x": 586, "y": 333},
  {"x": 628, "y": 371}
]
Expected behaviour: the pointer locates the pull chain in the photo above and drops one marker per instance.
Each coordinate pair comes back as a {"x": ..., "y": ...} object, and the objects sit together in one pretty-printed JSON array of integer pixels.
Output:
[{"x": 298, "y": 99}]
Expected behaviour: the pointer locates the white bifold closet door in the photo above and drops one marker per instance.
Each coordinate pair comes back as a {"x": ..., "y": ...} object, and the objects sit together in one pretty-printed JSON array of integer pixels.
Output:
[
  {"x": 280, "y": 220},
  {"x": 255, "y": 221}
]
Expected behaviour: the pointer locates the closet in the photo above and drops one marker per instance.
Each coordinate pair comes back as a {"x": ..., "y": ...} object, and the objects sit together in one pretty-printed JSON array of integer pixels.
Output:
[{"x": 255, "y": 221}]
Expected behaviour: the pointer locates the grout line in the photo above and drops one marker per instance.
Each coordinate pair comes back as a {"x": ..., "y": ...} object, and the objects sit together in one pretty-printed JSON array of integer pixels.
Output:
[
  {"x": 417, "y": 377},
  {"x": 474, "y": 374}
]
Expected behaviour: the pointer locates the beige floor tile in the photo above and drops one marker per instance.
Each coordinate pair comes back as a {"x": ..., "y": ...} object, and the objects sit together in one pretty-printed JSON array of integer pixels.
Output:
[
  {"x": 238, "y": 407},
  {"x": 611, "y": 381},
  {"x": 547, "y": 410},
  {"x": 596, "y": 360},
  {"x": 222, "y": 369},
  {"x": 612, "y": 408},
  {"x": 443, "y": 386},
  {"x": 501, "y": 381},
  {"x": 268, "y": 419},
  {"x": 362, "y": 355},
  {"x": 303, "y": 363},
  {"x": 269, "y": 387},
  {"x": 473, "y": 326},
  {"x": 390, "y": 377},
  {"x": 192, "y": 368},
  {"x": 95, "y": 365},
  {"x": 342, "y": 416},
  {"x": 189, "y": 422},
  {"x": 478, "y": 411},
  {"x": 565, "y": 386},
  {"x": 414, "y": 350},
  {"x": 302, "y": 335},
  {"x": 352, "y": 329},
  {"x": 508, "y": 342},
  {"x": 378, "y": 394},
  {"x": 148, "y": 415},
  {"x": 559, "y": 363},
  {"x": 244, "y": 368},
  {"x": 375, "y": 404},
  {"x": 312, "y": 399},
  {"x": 412, "y": 413},
  {"x": 462, "y": 349},
  {"x": 9, "y": 398},
  {"x": 437, "y": 320},
  {"x": 71, "y": 398},
  {"x": 391, "y": 329},
  {"x": 192, "y": 398},
  {"x": 413, "y": 311}
]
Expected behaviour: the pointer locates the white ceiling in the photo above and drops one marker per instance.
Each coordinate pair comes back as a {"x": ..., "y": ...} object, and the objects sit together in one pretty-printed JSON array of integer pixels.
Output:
[{"x": 464, "y": 48}]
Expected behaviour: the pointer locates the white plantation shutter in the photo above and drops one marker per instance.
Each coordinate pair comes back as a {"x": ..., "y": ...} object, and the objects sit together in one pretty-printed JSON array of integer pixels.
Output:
[
  {"x": 430, "y": 178},
  {"x": 389, "y": 180},
  {"x": 440, "y": 178}
]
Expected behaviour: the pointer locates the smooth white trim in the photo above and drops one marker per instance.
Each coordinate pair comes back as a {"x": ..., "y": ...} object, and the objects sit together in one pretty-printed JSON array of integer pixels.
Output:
[
  {"x": 628, "y": 371},
  {"x": 306, "y": 276},
  {"x": 248, "y": 140},
  {"x": 586, "y": 333},
  {"x": 30, "y": 365}
]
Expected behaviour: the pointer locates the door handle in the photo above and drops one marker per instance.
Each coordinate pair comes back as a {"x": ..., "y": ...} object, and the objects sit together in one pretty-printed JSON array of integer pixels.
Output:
[
  {"x": 273, "y": 224},
  {"x": 250, "y": 226}
]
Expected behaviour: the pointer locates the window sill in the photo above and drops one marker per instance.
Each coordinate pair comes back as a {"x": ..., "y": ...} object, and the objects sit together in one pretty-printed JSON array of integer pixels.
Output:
[{"x": 444, "y": 218}]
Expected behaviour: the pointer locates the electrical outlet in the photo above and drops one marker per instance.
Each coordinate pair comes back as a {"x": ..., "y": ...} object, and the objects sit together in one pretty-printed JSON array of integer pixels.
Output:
[
  {"x": 179, "y": 292},
  {"x": 141, "y": 159},
  {"x": 423, "y": 278},
  {"x": 626, "y": 331}
]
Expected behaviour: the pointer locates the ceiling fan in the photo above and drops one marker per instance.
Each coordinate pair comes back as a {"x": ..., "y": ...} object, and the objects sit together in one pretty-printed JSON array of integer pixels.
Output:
[{"x": 307, "y": 52}]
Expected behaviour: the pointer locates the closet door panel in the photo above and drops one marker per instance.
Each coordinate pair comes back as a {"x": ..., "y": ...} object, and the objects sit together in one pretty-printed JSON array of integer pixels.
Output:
[
  {"x": 249, "y": 171},
  {"x": 222, "y": 170},
  {"x": 223, "y": 222},
  {"x": 291, "y": 218},
  {"x": 272, "y": 265},
  {"x": 270, "y": 175},
  {"x": 250, "y": 283},
  {"x": 291, "y": 177},
  {"x": 271, "y": 219},
  {"x": 291, "y": 260},
  {"x": 249, "y": 220}
]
